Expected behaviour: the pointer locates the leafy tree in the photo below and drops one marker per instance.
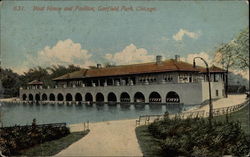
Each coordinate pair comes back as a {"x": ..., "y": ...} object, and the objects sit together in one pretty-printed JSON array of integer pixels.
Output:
[
  {"x": 37, "y": 73},
  {"x": 108, "y": 64},
  {"x": 11, "y": 81},
  {"x": 234, "y": 54},
  {"x": 105, "y": 65}
]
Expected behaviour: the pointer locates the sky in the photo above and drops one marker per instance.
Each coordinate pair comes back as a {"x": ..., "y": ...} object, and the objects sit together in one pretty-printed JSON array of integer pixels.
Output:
[{"x": 118, "y": 32}]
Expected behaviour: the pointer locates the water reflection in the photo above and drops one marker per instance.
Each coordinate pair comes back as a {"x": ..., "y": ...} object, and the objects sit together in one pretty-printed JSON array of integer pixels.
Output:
[
  {"x": 100, "y": 107},
  {"x": 79, "y": 107},
  {"x": 139, "y": 106},
  {"x": 112, "y": 103},
  {"x": 76, "y": 113},
  {"x": 124, "y": 107},
  {"x": 112, "y": 107},
  {"x": 155, "y": 106}
]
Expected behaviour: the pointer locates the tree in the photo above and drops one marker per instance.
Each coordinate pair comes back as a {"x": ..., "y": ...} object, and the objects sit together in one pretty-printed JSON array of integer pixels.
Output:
[
  {"x": 108, "y": 64},
  {"x": 234, "y": 54},
  {"x": 10, "y": 83},
  {"x": 242, "y": 50}
]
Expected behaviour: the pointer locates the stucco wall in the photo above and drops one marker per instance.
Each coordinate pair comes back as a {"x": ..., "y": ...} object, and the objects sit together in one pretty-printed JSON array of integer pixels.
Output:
[
  {"x": 214, "y": 86},
  {"x": 189, "y": 93}
]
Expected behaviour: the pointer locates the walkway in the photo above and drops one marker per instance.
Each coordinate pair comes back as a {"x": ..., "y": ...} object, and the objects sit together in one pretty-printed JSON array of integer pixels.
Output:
[
  {"x": 225, "y": 102},
  {"x": 112, "y": 138}
]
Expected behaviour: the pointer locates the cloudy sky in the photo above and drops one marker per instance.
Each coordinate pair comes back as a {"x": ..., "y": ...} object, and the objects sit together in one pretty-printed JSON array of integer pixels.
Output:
[{"x": 32, "y": 38}]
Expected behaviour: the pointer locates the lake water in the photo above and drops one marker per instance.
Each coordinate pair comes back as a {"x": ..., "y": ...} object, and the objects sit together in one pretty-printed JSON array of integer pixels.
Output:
[{"x": 22, "y": 114}]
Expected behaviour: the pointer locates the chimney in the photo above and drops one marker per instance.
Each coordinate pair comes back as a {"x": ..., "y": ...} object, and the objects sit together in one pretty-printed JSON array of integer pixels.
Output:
[
  {"x": 158, "y": 59},
  {"x": 99, "y": 66},
  {"x": 177, "y": 58}
]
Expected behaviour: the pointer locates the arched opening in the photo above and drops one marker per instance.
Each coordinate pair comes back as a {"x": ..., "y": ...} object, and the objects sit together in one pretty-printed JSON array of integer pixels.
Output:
[
  {"x": 78, "y": 97},
  {"x": 172, "y": 97},
  {"x": 37, "y": 97},
  {"x": 24, "y": 97},
  {"x": 112, "y": 97},
  {"x": 30, "y": 97},
  {"x": 60, "y": 97},
  {"x": 52, "y": 97},
  {"x": 69, "y": 97},
  {"x": 139, "y": 97},
  {"x": 125, "y": 97},
  {"x": 99, "y": 97},
  {"x": 88, "y": 97},
  {"x": 44, "y": 97},
  {"x": 154, "y": 97}
]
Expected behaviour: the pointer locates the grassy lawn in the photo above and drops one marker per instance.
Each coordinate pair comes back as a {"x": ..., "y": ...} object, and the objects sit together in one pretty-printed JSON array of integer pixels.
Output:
[
  {"x": 53, "y": 147},
  {"x": 151, "y": 147},
  {"x": 242, "y": 116}
]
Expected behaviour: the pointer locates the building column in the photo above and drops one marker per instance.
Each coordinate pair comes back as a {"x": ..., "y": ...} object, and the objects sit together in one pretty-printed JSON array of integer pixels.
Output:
[
  {"x": 94, "y": 96},
  {"x": 73, "y": 96},
  {"x": 146, "y": 97},
  {"x": 105, "y": 82},
  {"x": 118, "y": 98},
  {"x": 105, "y": 95}
]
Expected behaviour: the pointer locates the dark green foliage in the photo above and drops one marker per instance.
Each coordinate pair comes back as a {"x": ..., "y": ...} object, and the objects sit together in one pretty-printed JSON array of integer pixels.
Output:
[
  {"x": 150, "y": 146},
  {"x": 11, "y": 81},
  {"x": 15, "y": 139},
  {"x": 53, "y": 147},
  {"x": 194, "y": 137},
  {"x": 46, "y": 75},
  {"x": 241, "y": 115}
]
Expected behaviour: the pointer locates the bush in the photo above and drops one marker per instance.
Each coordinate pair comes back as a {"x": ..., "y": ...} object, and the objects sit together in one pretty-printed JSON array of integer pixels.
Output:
[
  {"x": 14, "y": 139},
  {"x": 194, "y": 137}
]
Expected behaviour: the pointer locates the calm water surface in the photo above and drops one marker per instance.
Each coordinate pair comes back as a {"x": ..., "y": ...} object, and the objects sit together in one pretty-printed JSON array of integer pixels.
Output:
[{"x": 22, "y": 114}]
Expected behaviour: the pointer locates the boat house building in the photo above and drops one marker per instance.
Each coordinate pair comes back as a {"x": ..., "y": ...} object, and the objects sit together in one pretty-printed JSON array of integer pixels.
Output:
[{"x": 168, "y": 81}]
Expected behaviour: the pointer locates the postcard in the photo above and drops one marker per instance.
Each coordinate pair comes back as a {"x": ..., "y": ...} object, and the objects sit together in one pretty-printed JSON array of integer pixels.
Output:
[{"x": 124, "y": 78}]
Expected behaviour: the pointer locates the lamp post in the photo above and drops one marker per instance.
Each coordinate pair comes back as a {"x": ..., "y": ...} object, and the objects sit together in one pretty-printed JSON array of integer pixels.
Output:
[{"x": 209, "y": 88}]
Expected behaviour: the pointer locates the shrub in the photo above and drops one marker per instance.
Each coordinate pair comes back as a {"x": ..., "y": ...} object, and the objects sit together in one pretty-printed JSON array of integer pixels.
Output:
[
  {"x": 195, "y": 137},
  {"x": 14, "y": 139}
]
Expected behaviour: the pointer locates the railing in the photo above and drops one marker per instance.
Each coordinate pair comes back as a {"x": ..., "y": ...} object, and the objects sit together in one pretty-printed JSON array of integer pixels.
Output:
[
  {"x": 191, "y": 114},
  {"x": 39, "y": 125},
  {"x": 227, "y": 110},
  {"x": 85, "y": 125},
  {"x": 146, "y": 119}
]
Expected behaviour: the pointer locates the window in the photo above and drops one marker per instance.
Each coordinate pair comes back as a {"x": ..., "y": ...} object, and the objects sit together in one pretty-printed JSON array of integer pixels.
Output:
[
  {"x": 217, "y": 78},
  {"x": 190, "y": 79},
  {"x": 168, "y": 78},
  {"x": 183, "y": 78},
  {"x": 217, "y": 92}
]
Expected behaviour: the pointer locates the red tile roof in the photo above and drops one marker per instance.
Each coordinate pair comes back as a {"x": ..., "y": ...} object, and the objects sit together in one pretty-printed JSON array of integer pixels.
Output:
[
  {"x": 76, "y": 74},
  {"x": 164, "y": 66},
  {"x": 212, "y": 69},
  {"x": 35, "y": 82}
]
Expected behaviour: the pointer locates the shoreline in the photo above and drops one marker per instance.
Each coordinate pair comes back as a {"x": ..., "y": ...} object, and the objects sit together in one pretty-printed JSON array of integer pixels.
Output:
[
  {"x": 217, "y": 104},
  {"x": 224, "y": 102}
]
